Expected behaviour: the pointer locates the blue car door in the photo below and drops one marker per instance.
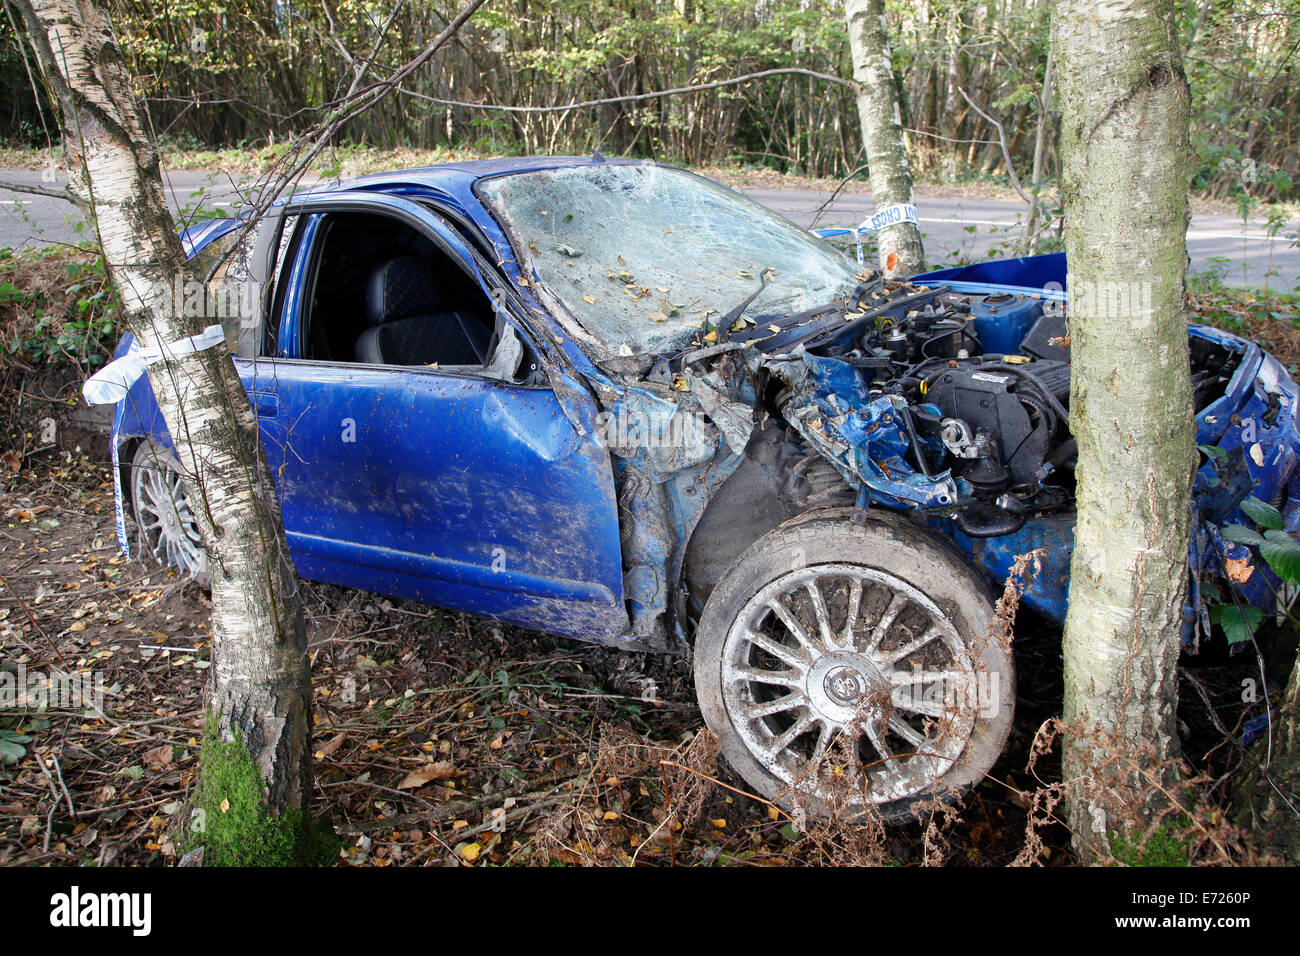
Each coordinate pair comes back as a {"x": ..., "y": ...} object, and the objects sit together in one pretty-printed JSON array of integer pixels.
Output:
[{"x": 447, "y": 484}]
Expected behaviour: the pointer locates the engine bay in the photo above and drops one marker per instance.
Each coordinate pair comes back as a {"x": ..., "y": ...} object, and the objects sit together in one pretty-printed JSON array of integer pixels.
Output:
[{"x": 938, "y": 399}]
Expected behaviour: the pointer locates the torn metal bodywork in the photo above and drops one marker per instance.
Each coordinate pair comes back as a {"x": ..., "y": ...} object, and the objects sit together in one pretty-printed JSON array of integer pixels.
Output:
[{"x": 973, "y": 444}]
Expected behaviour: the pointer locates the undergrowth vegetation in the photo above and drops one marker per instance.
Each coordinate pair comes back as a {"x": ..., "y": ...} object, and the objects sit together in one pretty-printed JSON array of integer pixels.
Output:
[{"x": 56, "y": 307}]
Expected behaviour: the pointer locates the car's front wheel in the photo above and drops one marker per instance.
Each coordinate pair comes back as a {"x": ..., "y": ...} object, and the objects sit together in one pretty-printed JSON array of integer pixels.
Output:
[
  {"x": 161, "y": 503},
  {"x": 842, "y": 665}
]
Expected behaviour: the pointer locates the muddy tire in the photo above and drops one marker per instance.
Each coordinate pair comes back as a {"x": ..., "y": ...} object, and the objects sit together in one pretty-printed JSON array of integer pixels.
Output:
[
  {"x": 842, "y": 665},
  {"x": 168, "y": 533}
]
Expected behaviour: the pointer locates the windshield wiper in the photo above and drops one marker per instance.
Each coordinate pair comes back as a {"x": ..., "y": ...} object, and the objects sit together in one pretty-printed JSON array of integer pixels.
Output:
[{"x": 725, "y": 323}]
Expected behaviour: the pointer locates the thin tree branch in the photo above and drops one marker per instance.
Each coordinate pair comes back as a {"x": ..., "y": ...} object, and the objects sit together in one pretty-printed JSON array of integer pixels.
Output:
[
  {"x": 37, "y": 190},
  {"x": 634, "y": 98},
  {"x": 1002, "y": 139}
]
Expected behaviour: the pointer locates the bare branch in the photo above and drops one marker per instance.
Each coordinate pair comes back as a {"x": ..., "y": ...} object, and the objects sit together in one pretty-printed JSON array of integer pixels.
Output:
[
  {"x": 35, "y": 190},
  {"x": 634, "y": 98},
  {"x": 1002, "y": 139}
]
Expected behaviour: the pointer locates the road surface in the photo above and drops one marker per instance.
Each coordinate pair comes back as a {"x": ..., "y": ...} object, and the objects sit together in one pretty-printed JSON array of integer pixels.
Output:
[{"x": 956, "y": 230}]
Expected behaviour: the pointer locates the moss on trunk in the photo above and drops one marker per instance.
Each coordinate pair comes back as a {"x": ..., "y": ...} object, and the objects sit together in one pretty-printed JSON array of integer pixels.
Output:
[{"x": 238, "y": 827}]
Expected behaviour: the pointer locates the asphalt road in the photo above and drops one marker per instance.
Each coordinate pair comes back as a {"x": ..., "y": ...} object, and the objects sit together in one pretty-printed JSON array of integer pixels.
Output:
[{"x": 955, "y": 230}]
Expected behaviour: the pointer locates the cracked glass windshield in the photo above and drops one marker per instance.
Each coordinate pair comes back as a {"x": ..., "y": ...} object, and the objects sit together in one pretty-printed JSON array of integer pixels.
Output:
[{"x": 641, "y": 254}]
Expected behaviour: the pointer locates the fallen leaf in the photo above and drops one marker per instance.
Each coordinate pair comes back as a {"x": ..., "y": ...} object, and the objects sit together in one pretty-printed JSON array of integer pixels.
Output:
[
  {"x": 158, "y": 758},
  {"x": 469, "y": 853},
  {"x": 1239, "y": 569},
  {"x": 588, "y": 299},
  {"x": 438, "y": 770},
  {"x": 224, "y": 806},
  {"x": 331, "y": 746}
]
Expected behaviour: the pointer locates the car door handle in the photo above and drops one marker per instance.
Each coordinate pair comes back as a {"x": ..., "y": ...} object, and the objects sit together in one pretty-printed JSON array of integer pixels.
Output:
[{"x": 267, "y": 405}]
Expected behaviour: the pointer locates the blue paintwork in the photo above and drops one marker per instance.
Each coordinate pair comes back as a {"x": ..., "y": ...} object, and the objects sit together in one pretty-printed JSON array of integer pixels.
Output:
[
  {"x": 877, "y": 439},
  {"x": 1030, "y": 275},
  {"x": 453, "y": 488}
]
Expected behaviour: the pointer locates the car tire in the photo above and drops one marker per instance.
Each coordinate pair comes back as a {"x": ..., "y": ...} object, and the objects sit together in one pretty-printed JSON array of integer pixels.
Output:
[
  {"x": 825, "y": 714},
  {"x": 160, "y": 503}
]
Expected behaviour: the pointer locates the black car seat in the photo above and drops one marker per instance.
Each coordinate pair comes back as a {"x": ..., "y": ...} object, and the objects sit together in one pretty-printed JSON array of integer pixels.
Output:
[{"x": 412, "y": 321}]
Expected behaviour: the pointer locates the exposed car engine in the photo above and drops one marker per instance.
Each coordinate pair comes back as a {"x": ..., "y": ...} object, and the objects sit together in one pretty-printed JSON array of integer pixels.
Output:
[
  {"x": 968, "y": 389},
  {"x": 987, "y": 384}
]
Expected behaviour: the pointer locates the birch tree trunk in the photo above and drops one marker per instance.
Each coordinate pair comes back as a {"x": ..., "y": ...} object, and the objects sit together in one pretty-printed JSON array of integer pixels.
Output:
[
  {"x": 260, "y": 694},
  {"x": 1125, "y": 168},
  {"x": 901, "y": 253}
]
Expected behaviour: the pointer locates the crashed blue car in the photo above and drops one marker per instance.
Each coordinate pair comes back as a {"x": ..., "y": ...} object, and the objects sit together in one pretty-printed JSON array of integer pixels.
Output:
[{"x": 616, "y": 401}]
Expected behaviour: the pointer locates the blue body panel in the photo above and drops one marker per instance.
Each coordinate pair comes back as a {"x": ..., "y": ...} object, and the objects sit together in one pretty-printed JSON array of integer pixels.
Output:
[
  {"x": 444, "y": 486},
  {"x": 1040, "y": 275}
]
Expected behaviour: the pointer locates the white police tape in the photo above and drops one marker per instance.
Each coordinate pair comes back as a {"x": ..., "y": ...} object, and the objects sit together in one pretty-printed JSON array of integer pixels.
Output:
[
  {"x": 111, "y": 383},
  {"x": 891, "y": 215},
  {"x": 119, "y": 517}
]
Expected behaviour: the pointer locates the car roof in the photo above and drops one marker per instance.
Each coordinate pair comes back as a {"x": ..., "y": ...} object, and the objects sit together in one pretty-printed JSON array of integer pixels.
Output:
[{"x": 458, "y": 178}]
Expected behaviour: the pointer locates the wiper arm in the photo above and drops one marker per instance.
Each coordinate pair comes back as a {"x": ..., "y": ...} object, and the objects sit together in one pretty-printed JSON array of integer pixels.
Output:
[{"x": 725, "y": 323}]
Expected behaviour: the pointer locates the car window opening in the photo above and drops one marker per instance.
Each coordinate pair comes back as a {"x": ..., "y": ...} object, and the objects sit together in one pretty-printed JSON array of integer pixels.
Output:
[{"x": 385, "y": 294}]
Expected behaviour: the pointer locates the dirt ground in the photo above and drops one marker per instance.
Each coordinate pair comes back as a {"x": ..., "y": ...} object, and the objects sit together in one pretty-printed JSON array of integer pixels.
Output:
[{"x": 441, "y": 738}]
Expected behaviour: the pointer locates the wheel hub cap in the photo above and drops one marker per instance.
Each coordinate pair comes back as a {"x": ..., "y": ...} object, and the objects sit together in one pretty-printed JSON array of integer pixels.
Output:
[
  {"x": 845, "y": 686},
  {"x": 163, "y": 514}
]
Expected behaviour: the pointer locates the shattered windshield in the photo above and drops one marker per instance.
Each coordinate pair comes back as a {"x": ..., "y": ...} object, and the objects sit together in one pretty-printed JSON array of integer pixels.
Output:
[{"x": 641, "y": 255}]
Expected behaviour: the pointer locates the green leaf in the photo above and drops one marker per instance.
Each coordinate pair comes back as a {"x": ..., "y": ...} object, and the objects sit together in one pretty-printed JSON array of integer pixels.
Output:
[
  {"x": 1213, "y": 451},
  {"x": 1282, "y": 553},
  {"x": 1262, "y": 513},
  {"x": 1241, "y": 535},
  {"x": 1238, "y": 623},
  {"x": 11, "y": 752},
  {"x": 12, "y": 745}
]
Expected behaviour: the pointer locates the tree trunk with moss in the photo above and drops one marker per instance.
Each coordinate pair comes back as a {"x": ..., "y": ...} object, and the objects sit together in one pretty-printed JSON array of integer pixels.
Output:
[
  {"x": 899, "y": 243},
  {"x": 260, "y": 692},
  {"x": 1126, "y": 163}
]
